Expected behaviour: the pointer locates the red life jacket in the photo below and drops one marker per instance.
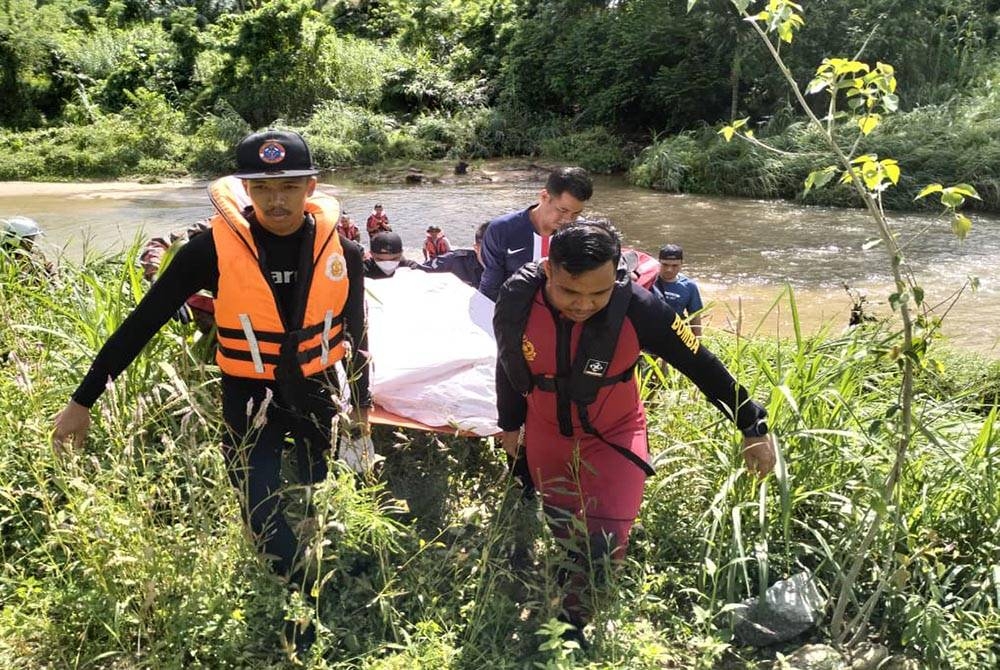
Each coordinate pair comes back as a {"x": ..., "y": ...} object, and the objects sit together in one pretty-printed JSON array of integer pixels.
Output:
[{"x": 591, "y": 371}]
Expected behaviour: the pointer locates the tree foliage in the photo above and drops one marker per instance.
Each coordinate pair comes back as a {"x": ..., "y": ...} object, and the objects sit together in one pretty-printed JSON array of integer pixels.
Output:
[{"x": 545, "y": 68}]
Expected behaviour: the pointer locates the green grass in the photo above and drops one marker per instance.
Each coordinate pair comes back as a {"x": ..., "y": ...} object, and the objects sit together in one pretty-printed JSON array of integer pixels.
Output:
[{"x": 132, "y": 554}]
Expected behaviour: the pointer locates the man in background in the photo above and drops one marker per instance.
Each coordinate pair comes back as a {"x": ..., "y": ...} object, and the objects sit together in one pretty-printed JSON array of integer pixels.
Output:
[
  {"x": 466, "y": 264},
  {"x": 518, "y": 238},
  {"x": 377, "y": 222},
  {"x": 677, "y": 289},
  {"x": 385, "y": 256}
]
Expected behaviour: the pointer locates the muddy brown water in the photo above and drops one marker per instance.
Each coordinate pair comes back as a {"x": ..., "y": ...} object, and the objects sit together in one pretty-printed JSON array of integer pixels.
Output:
[{"x": 743, "y": 253}]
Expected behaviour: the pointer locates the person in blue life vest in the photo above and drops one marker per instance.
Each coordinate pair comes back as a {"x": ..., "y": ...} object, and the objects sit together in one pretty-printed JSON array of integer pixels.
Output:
[
  {"x": 514, "y": 239},
  {"x": 677, "y": 289},
  {"x": 466, "y": 264},
  {"x": 386, "y": 256},
  {"x": 290, "y": 316},
  {"x": 569, "y": 332}
]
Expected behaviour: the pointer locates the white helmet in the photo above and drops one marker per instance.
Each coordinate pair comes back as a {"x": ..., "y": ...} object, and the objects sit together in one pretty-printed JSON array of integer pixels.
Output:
[{"x": 20, "y": 227}]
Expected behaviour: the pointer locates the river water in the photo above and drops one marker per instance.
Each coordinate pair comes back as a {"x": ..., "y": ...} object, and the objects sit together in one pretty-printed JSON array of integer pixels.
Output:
[{"x": 743, "y": 253}]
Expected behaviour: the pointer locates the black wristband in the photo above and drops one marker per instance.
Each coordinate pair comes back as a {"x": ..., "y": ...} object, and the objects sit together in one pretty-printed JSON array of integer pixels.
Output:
[{"x": 757, "y": 429}]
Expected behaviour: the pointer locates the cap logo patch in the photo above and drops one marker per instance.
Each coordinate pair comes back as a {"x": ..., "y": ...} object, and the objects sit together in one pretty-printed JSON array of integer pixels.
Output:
[{"x": 271, "y": 152}]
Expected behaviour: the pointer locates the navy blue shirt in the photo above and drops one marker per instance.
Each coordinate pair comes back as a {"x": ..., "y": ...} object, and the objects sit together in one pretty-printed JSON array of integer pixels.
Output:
[
  {"x": 461, "y": 262},
  {"x": 510, "y": 242},
  {"x": 681, "y": 294}
]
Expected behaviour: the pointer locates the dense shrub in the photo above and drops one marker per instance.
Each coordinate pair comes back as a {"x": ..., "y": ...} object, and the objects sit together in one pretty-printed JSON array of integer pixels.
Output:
[
  {"x": 947, "y": 144},
  {"x": 595, "y": 149}
]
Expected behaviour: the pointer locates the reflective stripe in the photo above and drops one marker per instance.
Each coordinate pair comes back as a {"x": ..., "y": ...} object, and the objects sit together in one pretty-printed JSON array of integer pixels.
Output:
[
  {"x": 323, "y": 341},
  {"x": 258, "y": 365}
]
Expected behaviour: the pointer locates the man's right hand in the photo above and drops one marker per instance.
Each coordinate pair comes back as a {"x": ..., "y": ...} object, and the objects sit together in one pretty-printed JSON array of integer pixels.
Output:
[
  {"x": 73, "y": 421},
  {"x": 509, "y": 440}
]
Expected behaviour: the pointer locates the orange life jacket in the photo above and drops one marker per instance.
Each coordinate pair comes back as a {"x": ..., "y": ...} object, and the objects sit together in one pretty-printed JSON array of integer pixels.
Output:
[
  {"x": 435, "y": 246},
  {"x": 251, "y": 330}
]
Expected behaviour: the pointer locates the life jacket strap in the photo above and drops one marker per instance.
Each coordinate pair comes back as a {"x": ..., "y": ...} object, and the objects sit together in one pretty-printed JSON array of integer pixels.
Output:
[
  {"x": 259, "y": 358},
  {"x": 554, "y": 384},
  {"x": 633, "y": 457},
  {"x": 278, "y": 338},
  {"x": 560, "y": 386}
]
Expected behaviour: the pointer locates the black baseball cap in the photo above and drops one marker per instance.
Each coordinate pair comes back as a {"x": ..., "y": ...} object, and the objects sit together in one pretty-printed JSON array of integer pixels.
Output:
[
  {"x": 386, "y": 243},
  {"x": 273, "y": 154},
  {"x": 671, "y": 252}
]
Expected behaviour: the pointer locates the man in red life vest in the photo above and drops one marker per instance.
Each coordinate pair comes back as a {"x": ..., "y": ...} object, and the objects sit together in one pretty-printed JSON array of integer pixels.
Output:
[
  {"x": 289, "y": 307},
  {"x": 347, "y": 228},
  {"x": 569, "y": 334},
  {"x": 377, "y": 222}
]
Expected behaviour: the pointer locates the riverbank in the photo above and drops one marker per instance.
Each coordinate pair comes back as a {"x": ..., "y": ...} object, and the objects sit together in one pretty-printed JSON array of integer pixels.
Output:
[
  {"x": 952, "y": 143},
  {"x": 140, "y": 529},
  {"x": 89, "y": 189}
]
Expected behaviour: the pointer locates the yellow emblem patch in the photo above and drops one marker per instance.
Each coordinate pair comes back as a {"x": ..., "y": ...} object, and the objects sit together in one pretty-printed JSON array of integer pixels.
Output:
[
  {"x": 528, "y": 349},
  {"x": 336, "y": 267},
  {"x": 684, "y": 332}
]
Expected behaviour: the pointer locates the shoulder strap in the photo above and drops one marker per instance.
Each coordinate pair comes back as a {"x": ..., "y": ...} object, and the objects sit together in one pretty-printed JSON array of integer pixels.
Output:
[{"x": 510, "y": 319}]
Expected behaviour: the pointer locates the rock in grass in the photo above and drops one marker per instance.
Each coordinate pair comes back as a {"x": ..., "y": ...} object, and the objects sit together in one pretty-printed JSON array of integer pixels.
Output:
[
  {"x": 868, "y": 657},
  {"x": 790, "y": 607},
  {"x": 813, "y": 657}
]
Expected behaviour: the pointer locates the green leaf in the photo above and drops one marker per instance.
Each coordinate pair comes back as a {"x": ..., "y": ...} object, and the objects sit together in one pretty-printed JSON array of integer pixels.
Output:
[
  {"x": 891, "y": 171},
  {"x": 819, "y": 178},
  {"x": 961, "y": 225},
  {"x": 918, "y": 295},
  {"x": 865, "y": 158},
  {"x": 728, "y": 132},
  {"x": 966, "y": 190},
  {"x": 872, "y": 174},
  {"x": 868, "y": 123},
  {"x": 741, "y": 5},
  {"x": 817, "y": 85},
  {"x": 927, "y": 190},
  {"x": 691, "y": 4},
  {"x": 891, "y": 102},
  {"x": 785, "y": 31},
  {"x": 951, "y": 199}
]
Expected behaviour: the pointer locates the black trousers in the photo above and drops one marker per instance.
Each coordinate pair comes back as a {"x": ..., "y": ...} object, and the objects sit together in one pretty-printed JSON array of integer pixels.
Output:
[{"x": 254, "y": 443}]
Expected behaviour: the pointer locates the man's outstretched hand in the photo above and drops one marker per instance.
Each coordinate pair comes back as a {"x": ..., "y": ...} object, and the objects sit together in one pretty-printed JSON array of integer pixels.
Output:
[
  {"x": 72, "y": 422},
  {"x": 758, "y": 452}
]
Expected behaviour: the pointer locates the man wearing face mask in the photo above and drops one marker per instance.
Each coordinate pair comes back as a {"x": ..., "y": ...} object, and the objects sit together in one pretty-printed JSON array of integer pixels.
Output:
[{"x": 386, "y": 256}]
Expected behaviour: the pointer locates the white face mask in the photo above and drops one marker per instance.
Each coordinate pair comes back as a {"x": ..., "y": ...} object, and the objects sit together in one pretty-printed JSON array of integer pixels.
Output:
[{"x": 388, "y": 267}]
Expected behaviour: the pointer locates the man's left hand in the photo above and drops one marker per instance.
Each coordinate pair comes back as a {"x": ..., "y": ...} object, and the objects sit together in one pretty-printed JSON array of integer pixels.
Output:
[{"x": 758, "y": 452}]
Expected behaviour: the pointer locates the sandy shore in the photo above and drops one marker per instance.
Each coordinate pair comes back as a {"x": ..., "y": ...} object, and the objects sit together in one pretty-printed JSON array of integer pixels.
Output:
[{"x": 95, "y": 189}]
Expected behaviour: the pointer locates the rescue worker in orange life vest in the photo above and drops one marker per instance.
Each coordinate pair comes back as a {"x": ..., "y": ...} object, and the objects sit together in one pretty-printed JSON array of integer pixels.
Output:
[
  {"x": 289, "y": 305},
  {"x": 569, "y": 334}
]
